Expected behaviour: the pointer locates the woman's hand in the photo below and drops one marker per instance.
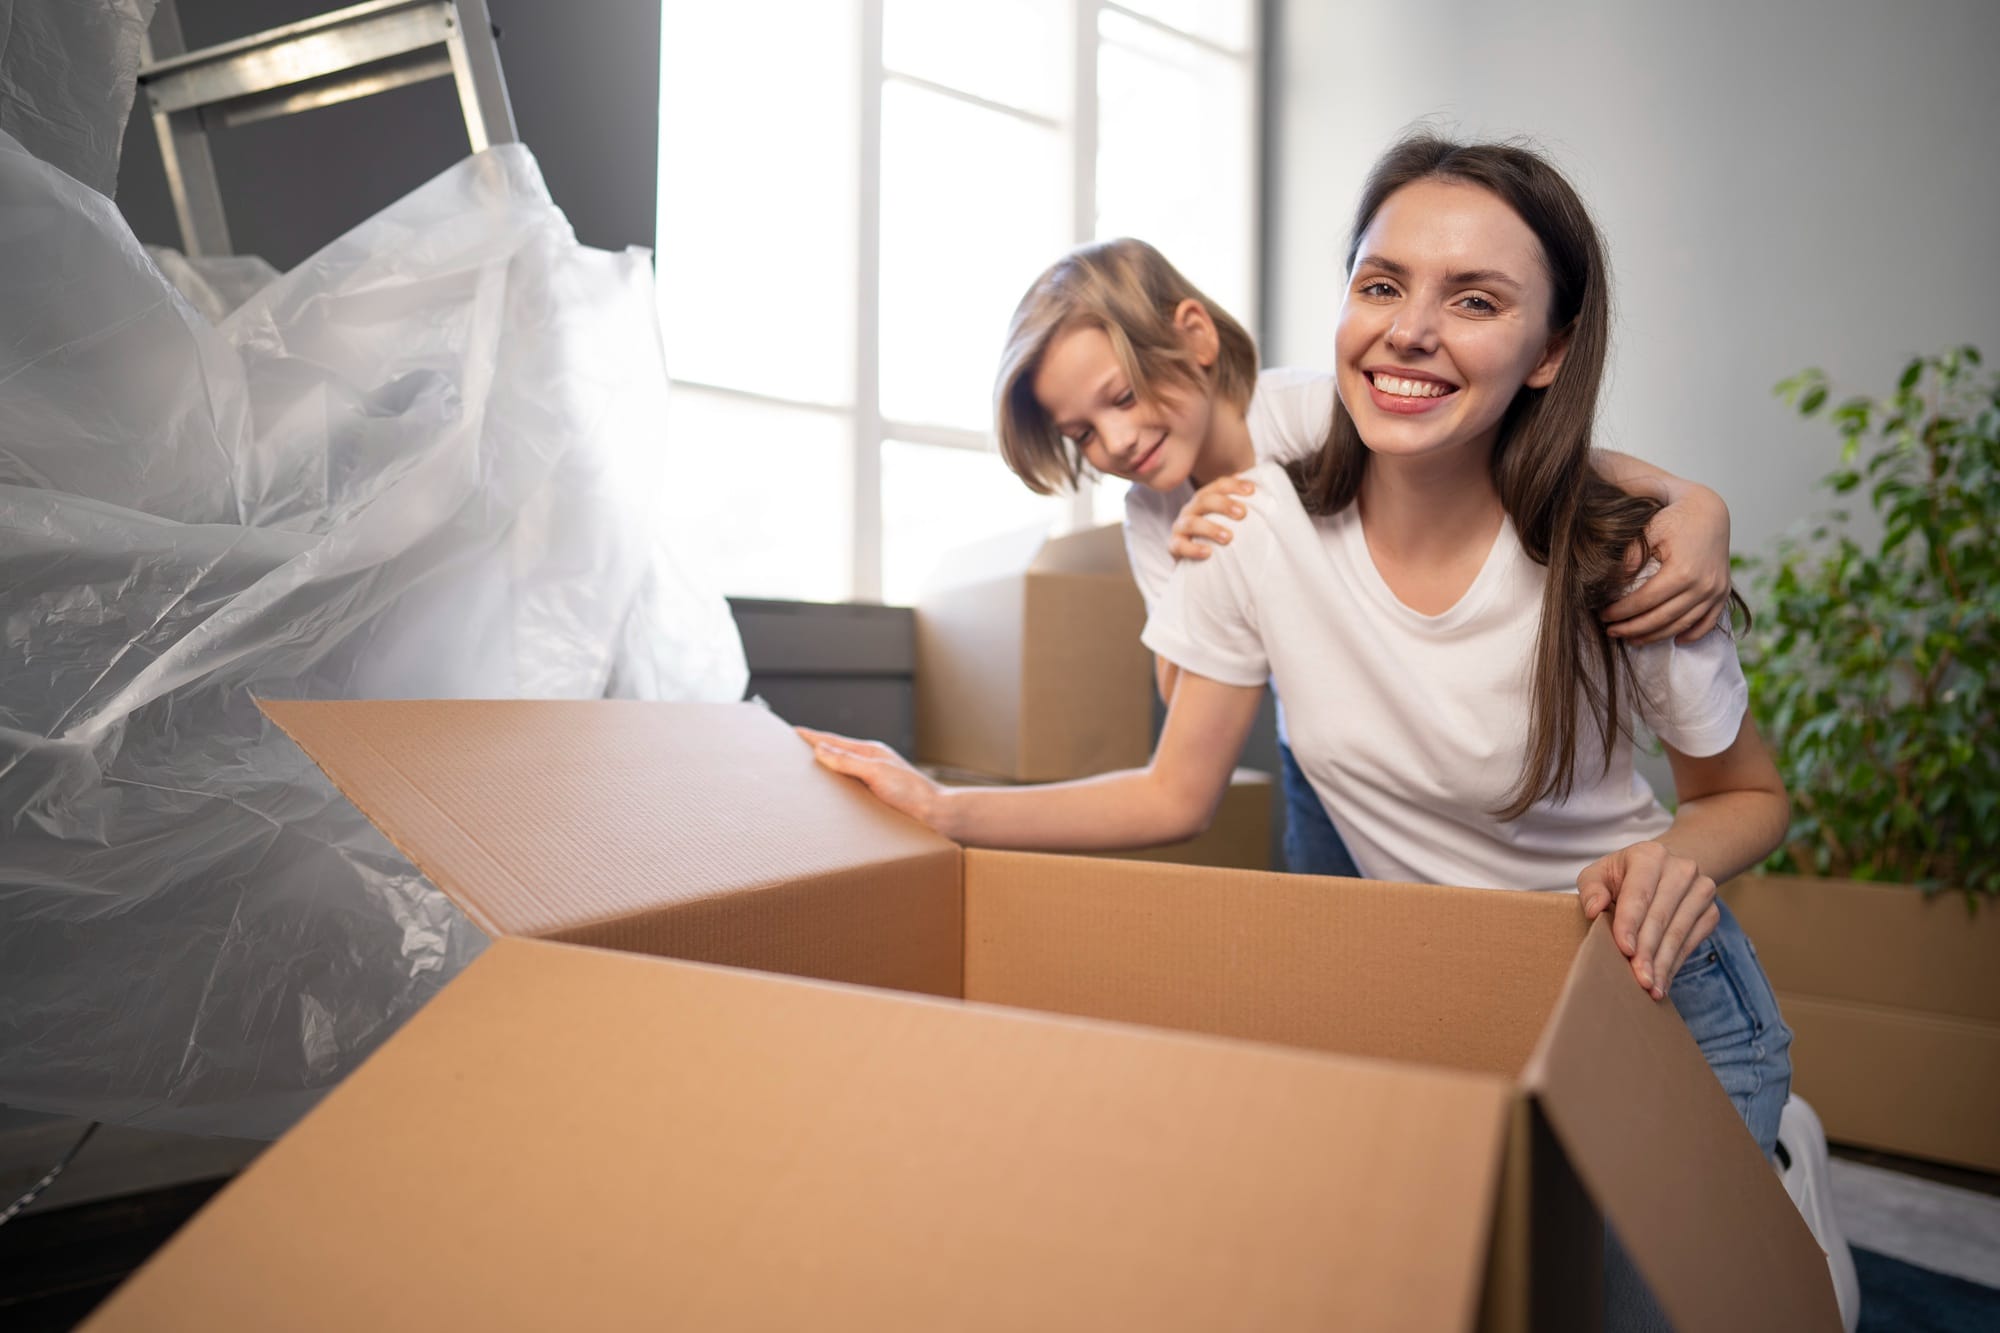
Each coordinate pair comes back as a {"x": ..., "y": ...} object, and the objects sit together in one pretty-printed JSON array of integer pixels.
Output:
[
  {"x": 1193, "y": 530},
  {"x": 1665, "y": 907},
  {"x": 885, "y": 773},
  {"x": 1690, "y": 593}
]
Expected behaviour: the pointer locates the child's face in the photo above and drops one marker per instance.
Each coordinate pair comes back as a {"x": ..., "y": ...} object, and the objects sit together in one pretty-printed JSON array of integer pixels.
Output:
[
  {"x": 1445, "y": 318},
  {"x": 1091, "y": 401}
]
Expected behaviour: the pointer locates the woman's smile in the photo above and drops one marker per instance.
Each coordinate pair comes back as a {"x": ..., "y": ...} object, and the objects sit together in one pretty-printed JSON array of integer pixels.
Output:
[{"x": 1407, "y": 392}]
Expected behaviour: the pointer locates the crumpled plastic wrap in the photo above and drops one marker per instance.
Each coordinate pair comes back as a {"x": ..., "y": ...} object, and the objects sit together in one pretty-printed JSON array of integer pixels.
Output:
[
  {"x": 215, "y": 285},
  {"x": 423, "y": 464},
  {"x": 67, "y": 79}
]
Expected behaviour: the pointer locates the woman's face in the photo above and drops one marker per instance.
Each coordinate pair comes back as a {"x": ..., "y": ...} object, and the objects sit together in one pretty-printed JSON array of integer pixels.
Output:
[
  {"x": 1445, "y": 318},
  {"x": 1088, "y": 396}
]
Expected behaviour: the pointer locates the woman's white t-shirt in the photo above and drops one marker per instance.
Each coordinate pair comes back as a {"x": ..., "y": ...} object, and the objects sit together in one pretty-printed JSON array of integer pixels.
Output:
[{"x": 1413, "y": 728}]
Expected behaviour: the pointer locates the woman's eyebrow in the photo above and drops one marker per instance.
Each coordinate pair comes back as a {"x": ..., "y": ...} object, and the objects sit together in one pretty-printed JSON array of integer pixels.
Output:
[{"x": 1471, "y": 277}]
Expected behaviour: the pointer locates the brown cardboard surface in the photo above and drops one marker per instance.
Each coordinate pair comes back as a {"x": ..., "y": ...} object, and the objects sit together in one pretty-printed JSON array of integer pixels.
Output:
[
  {"x": 1545, "y": 1268},
  {"x": 1086, "y": 679},
  {"x": 1029, "y": 665},
  {"x": 1455, "y": 977},
  {"x": 699, "y": 830},
  {"x": 1894, "y": 999},
  {"x": 1924, "y": 1085},
  {"x": 1665, "y": 1156},
  {"x": 968, "y": 678},
  {"x": 570, "y": 1138},
  {"x": 1881, "y": 944},
  {"x": 499, "y": 801}
]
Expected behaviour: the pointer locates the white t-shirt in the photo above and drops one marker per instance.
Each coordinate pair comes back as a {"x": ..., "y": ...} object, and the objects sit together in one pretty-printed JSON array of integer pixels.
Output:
[
  {"x": 1288, "y": 417},
  {"x": 1412, "y": 728}
]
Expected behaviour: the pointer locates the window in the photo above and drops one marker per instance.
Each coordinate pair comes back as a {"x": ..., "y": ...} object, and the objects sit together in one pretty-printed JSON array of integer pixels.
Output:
[{"x": 853, "y": 196}]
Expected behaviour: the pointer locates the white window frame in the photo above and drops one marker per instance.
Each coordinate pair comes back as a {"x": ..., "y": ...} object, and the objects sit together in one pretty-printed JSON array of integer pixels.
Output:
[{"x": 870, "y": 429}]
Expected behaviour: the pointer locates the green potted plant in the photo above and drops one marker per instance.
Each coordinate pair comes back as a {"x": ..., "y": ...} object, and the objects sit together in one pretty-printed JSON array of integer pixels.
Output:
[{"x": 1870, "y": 661}]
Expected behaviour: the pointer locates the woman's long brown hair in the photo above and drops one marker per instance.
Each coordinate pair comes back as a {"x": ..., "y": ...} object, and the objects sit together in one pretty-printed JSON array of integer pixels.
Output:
[{"x": 1568, "y": 517}]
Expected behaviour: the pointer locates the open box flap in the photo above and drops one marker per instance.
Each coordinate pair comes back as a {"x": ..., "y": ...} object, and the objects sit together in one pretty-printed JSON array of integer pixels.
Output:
[
  {"x": 1668, "y": 1161},
  {"x": 574, "y": 1138},
  {"x": 546, "y": 818}
]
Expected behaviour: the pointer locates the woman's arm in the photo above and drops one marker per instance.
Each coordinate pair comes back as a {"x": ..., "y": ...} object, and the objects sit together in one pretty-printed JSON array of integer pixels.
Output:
[
  {"x": 1172, "y": 799},
  {"x": 1733, "y": 812},
  {"x": 1690, "y": 538}
]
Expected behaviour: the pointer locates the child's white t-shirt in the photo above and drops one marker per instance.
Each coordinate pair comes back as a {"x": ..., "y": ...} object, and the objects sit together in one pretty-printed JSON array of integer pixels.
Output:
[
  {"x": 1413, "y": 728},
  {"x": 1288, "y": 418}
]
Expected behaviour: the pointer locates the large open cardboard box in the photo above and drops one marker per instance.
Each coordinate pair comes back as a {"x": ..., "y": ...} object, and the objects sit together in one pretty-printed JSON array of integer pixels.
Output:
[
  {"x": 1179, "y": 1098},
  {"x": 1029, "y": 665}
]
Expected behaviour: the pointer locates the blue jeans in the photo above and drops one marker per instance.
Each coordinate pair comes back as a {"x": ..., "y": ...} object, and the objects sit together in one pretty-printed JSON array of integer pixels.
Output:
[
  {"x": 1312, "y": 843},
  {"x": 1722, "y": 996}
]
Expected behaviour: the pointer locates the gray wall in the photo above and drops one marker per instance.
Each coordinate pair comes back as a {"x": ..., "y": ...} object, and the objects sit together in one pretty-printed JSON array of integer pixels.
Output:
[
  {"x": 1782, "y": 184},
  {"x": 584, "y": 79}
]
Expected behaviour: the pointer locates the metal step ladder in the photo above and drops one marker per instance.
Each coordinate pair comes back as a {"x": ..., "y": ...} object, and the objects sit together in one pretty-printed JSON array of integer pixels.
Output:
[{"x": 334, "y": 57}]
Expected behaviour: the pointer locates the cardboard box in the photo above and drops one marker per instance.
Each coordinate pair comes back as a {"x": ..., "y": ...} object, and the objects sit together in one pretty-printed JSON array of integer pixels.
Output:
[
  {"x": 1239, "y": 837},
  {"x": 1246, "y": 1099},
  {"x": 1893, "y": 999},
  {"x": 1029, "y": 665}
]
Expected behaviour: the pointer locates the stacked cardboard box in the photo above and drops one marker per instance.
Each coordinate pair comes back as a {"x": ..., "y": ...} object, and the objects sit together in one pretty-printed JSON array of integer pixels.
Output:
[
  {"x": 1029, "y": 665},
  {"x": 1893, "y": 998},
  {"x": 1030, "y": 669},
  {"x": 1153, "y": 1095}
]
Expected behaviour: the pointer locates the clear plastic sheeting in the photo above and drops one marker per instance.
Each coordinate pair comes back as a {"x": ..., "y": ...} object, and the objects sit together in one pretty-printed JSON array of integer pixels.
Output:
[
  {"x": 423, "y": 464},
  {"x": 215, "y": 285},
  {"x": 67, "y": 77}
]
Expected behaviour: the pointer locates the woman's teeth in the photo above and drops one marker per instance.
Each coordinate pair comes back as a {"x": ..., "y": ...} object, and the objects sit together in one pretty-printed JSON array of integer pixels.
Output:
[{"x": 1411, "y": 388}]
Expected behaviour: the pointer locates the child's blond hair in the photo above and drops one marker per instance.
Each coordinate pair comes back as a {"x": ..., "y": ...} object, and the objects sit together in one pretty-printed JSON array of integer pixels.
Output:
[{"x": 1129, "y": 290}]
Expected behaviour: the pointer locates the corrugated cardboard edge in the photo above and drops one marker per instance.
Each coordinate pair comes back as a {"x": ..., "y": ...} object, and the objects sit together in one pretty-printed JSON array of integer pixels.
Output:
[
  {"x": 1668, "y": 1161},
  {"x": 286, "y": 715}
]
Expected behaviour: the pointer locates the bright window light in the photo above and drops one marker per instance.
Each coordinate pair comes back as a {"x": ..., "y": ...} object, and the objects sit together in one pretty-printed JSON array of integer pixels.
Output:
[
  {"x": 1173, "y": 128},
  {"x": 962, "y": 236},
  {"x": 763, "y": 492},
  {"x": 759, "y": 178},
  {"x": 936, "y": 500},
  {"x": 900, "y": 170}
]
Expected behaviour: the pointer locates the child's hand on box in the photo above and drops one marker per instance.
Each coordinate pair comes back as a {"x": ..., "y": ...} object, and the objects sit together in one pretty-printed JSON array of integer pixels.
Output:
[
  {"x": 1193, "y": 530},
  {"x": 885, "y": 773},
  {"x": 1664, "y": 908}
]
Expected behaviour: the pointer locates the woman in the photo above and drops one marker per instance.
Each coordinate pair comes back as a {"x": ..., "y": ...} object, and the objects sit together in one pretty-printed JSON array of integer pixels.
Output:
[{"x": 1426, "y": 596}]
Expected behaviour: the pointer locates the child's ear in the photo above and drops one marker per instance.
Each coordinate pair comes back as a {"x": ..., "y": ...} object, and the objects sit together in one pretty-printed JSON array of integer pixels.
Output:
[
  {"x": 1544, "y": 373},
  {"x": 1197, "y": 330}
]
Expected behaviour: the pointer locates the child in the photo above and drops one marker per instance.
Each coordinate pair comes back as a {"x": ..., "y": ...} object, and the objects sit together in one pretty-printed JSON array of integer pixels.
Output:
[
  {"x": 1426, "y": 595},
  {"x": 1115, "y": 360}
]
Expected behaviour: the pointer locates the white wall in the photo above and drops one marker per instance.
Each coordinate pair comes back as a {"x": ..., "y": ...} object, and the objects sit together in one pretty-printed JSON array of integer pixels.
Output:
[{"x": 1814, "y": 182}]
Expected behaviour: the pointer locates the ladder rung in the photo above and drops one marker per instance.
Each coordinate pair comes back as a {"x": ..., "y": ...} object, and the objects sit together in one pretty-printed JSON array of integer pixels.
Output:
[{"x": 317, "y": 50}]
